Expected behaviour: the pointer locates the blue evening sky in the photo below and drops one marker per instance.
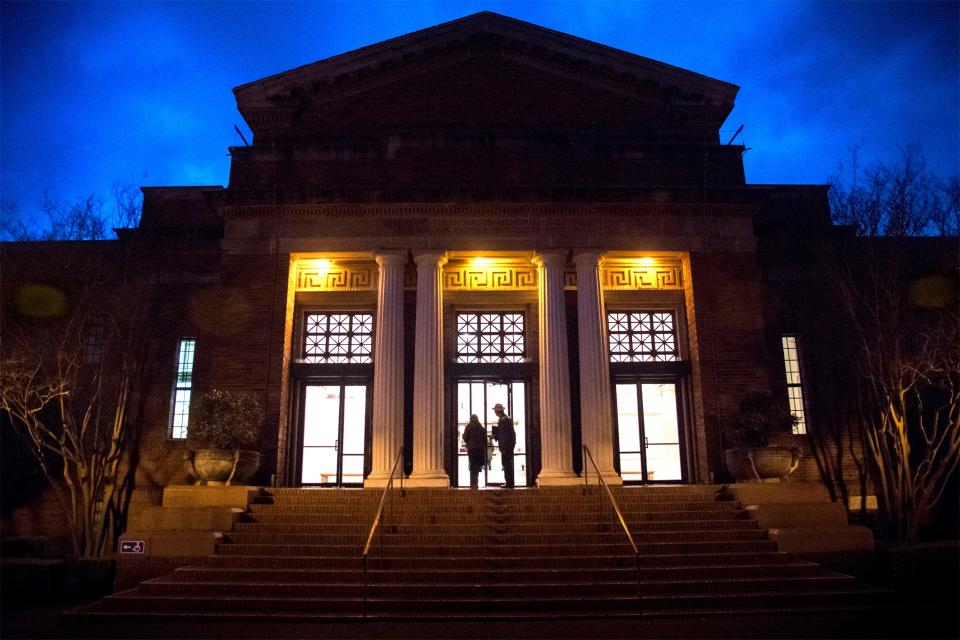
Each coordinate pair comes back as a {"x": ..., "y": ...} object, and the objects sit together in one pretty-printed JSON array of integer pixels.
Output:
[{"x": 94, "y": 92}]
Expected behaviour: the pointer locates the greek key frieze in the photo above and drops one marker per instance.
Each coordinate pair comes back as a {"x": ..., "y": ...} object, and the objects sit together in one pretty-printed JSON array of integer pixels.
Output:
[
  {"x": 628, "y": 278},
  {"x": 502, "y": 278},
  {"x": 352, "y": 278}
]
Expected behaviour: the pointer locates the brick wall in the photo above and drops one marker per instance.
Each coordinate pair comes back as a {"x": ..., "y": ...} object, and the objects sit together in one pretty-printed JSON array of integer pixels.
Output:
[{"x": 734, "y": 359}]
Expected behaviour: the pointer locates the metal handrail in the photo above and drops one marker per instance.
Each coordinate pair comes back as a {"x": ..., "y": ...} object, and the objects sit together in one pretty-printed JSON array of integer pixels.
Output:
[
  {"x": 616, "y": 509},
  {"x": 377, "y": 520},
  {"x": 613, "y": 501}
]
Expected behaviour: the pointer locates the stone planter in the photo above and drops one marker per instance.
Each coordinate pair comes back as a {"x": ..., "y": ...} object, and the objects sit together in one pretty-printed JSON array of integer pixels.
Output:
[
  {"x": 761, "y": 464},
  {"x": 222, "y": 466}
]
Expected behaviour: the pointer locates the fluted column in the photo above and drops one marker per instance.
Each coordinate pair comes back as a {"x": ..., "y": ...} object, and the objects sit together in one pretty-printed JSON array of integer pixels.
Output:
[
  {"x": 387, "y": 369},
  {"x": 596, "y": 422},
  {"x": 555, "y": 436},
  {"x": 428, "y": 468}
]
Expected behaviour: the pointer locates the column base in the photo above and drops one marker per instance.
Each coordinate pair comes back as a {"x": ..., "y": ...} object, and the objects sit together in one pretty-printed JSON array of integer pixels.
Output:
[
  {"x": 427, "y": 480},
  {"x": 380, "y": 481},
  {"x": 558, "y": 479},
  {"x": 612, "y": 478}
]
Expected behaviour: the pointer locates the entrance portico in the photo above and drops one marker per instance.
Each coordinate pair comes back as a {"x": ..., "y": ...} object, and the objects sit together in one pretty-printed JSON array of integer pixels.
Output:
[{"x": 451, "y": 289}]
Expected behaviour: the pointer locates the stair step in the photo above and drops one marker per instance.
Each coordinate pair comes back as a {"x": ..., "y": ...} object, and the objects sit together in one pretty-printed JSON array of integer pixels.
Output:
[
  {"x": 401, "y": 563},
  {"x": 589, "y": 507},
  {"x": 451, "y": 574},
  {"x": 534, "y": 527},
  {"x": 498, "y": 538},
  {"x": 598, "y": 585},
  {"x": 458, "y": 554},
  {"x": 470, "y": 604},
  {"x": 506, "y": 550},
  {"x": 320, "y": 517}
]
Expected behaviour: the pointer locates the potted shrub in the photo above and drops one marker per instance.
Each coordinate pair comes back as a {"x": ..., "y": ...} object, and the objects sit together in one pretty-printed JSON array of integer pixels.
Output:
[
  {"x": 753, "y": 438},
  {"x": 224, "y": 437}
]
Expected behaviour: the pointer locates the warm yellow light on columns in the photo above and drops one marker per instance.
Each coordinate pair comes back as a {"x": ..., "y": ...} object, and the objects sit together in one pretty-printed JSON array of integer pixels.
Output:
[
  {"x": 595, "y": 414},
  {"x": 428, "y": 381},
  {"x": 555, "y": 425},
  {"x": 388, "y": 369}
]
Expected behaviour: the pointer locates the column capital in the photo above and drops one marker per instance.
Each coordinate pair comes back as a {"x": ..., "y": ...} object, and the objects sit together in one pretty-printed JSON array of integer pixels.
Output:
[
  {"x": 589, "y": 258},
  {"x": 391, "y": 258},
  {"x": 430, "y": 258},
  {"x": 550, "y": 259}
]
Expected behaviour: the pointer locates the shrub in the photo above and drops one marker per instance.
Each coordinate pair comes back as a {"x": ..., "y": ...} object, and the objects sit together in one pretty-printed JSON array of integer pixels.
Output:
[
  {"x": 225, "y": 420},
  {"x": 759, "y": 419}
]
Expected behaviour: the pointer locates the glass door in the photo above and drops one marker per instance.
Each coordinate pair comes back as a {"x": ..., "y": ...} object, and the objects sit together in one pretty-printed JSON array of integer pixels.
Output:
[
  {"x": 334, "y": 428},
  {"x": 479, "y": 397},
  {"x": 648, "y": 427}
]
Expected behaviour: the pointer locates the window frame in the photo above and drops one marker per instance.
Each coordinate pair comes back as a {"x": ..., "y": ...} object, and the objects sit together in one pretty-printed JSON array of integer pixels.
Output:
[
  {"x": 501, "y": 357},
  {"x": 795, "y": 391},
  {"x": 304, "y": 359},
  {"x": 180, "y": 384},
  {"x": 676, "y": 353}
]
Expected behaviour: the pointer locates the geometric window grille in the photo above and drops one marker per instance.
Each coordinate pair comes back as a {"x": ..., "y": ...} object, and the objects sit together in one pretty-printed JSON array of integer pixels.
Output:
[
  {"x": 490, "y": 337},
  {"x": 791, "y": 366},
  {"x": 182, "y": 389},
  {"x": 642, "y": 337},
  {"x": 338, "y": 338}
]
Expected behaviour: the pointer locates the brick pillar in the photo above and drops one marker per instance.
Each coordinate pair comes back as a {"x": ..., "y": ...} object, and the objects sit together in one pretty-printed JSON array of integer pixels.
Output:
[
  {"x": 555, "y": 434},
  {"x": 596, "y": 422},
  {"x": 387, "y": 369},
  {"x": 428, "y": 468}
]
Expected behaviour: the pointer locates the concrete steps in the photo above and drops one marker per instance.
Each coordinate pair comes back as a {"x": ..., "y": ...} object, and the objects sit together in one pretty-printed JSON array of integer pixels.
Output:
[{"x": 529, "y": 553}]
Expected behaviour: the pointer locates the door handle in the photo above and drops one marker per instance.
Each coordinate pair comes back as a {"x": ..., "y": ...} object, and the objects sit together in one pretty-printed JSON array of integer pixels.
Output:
[
  {"x": 336, "y": 443},
  {"x": 646, "y": 443}
]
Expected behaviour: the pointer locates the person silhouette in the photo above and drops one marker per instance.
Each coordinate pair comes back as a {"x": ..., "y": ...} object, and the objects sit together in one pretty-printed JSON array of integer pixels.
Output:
[
  {"x": 475, "y": 437},
  {"x": 506, "y": 437}
]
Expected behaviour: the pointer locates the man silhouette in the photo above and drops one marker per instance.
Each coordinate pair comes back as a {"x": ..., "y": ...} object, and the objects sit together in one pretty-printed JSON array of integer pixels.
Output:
[{"x": 506, "y": 437}]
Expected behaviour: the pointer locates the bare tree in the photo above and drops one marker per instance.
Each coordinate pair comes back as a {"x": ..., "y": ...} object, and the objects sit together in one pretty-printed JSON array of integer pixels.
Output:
[
  {"x": 91, "y": 217},
  {"x": 70, "y": 357},
  {"x": 72, "y": 413},
  {"x": 897, "y": 199},
  {"x": 908, "y": 391},
  {"x": 899, "y": 297}
]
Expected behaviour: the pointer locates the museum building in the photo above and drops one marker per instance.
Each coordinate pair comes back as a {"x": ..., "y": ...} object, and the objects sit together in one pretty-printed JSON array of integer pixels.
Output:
[{"x": 482, "y": 212}]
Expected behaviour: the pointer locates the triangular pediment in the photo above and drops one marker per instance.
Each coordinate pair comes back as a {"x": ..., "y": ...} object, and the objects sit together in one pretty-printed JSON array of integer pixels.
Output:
[{"x": 482, "y": 68}]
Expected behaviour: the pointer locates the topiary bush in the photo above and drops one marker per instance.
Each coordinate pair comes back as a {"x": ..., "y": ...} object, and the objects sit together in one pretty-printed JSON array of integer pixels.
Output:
[{"x": 225, "y": 420}]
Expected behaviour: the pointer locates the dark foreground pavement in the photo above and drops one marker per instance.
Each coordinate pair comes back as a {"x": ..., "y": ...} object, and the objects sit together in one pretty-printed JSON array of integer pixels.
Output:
[{"x": 930, "y": 622}]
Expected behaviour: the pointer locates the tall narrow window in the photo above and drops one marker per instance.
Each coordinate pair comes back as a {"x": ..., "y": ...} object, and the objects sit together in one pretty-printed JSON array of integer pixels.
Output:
[
  {"x": 182, "y": 387},
  {"x": 94, "y": 340},
  {"x": 791, "y": 365}
]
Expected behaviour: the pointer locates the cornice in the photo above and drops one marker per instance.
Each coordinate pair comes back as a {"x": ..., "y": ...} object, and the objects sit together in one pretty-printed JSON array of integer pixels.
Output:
[{"x": 465, "y": 210}]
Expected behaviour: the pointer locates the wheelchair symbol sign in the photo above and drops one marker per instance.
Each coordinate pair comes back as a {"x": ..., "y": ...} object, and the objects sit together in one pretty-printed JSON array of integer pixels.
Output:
[{"x": 132, "y": 546}]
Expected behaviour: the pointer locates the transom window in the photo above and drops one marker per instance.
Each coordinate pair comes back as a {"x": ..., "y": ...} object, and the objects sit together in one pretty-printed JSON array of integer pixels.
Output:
[
  {"x": 490, "y": 337},
  {"x": 642, "y": 336},
  {"x": 338, "y": 338}
]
